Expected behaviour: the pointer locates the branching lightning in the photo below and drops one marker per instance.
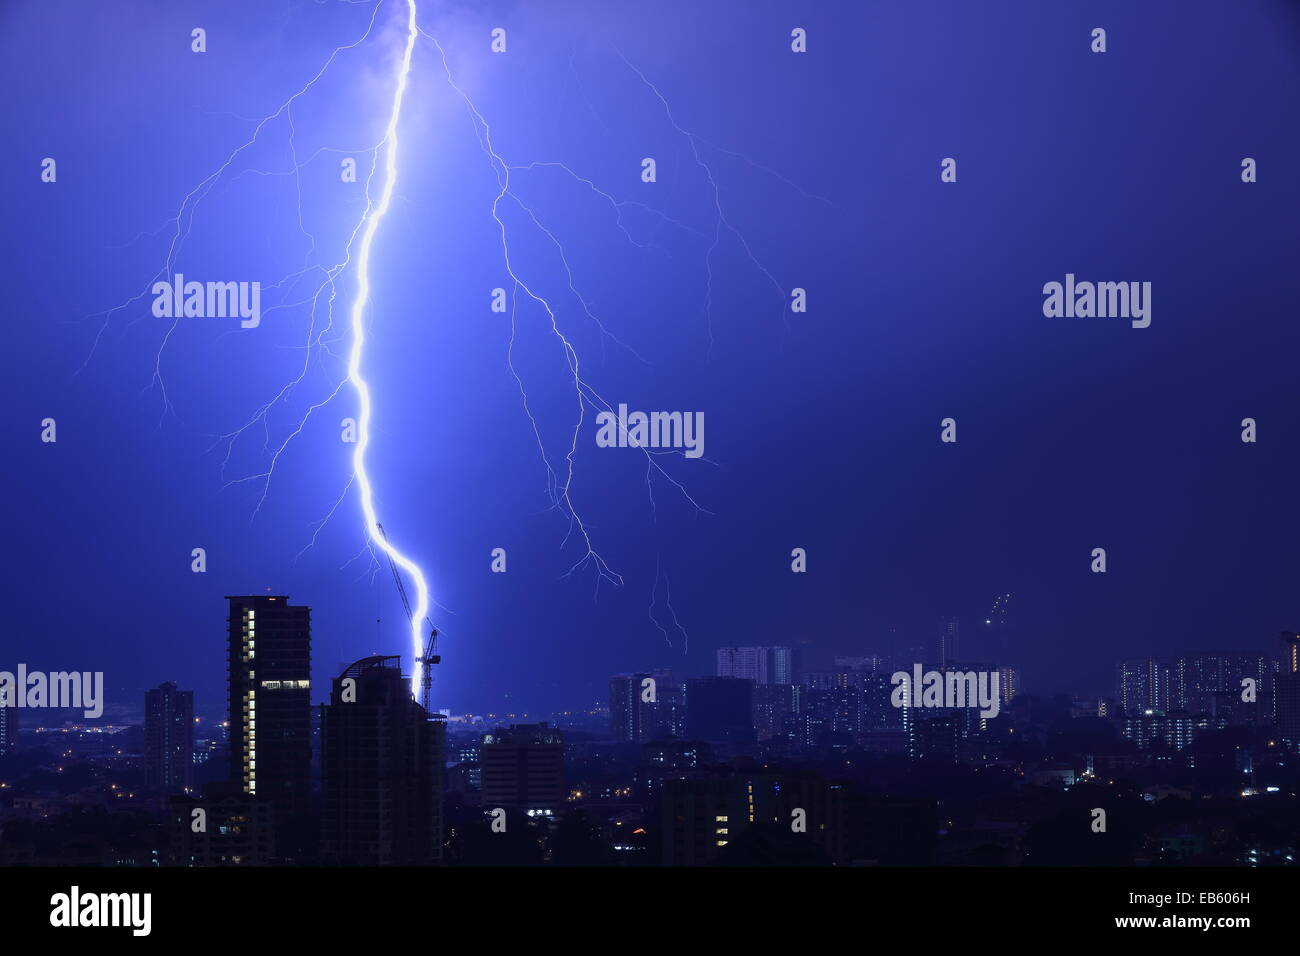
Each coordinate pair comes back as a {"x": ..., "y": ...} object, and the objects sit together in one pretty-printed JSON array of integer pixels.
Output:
[
  {"x": 317, "y": 341},
  {"x": 322, "y": 292},
  {"x": 585, "y": 395},
  {"x": 668, "y": 604}
]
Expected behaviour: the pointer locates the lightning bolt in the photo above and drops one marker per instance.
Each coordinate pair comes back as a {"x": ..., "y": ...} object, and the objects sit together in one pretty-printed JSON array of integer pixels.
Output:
[
  {"x": 585, "y": 395},
  {"x": 374, "y": 216},
  {"x": 321, "y": 294},
  {"x": 357, "y": 248},
  {"x": 668, "y": 604},
  {"x": 317, "y": 343}
]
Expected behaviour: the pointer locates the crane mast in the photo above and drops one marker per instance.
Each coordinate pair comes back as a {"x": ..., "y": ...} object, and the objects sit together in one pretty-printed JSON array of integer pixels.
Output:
[{"x": 429, "y": 658}]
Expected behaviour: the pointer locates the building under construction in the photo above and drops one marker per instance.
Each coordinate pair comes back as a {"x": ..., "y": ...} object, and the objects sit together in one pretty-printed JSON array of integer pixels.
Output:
[{"x": 382, "y": 768}]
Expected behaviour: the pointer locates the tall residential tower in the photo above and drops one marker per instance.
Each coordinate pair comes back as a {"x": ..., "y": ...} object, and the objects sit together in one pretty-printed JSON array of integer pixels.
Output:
[
  {"x": 169, "y": 739},
  {"x": 270, "y": 710},
  {"x": 382, "y": 767}
]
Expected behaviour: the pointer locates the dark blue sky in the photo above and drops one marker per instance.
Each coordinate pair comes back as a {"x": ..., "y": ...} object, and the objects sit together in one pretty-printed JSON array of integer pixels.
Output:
[{"x": 822, "y": 428}]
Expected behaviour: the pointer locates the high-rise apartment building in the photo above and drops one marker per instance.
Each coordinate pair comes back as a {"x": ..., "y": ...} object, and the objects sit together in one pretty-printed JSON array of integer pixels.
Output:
[
  {"x": 1212, "y": 683},
  {"x": 1288, "y": 692},
  {"x": 269, "y": 661},
  {"x": 1008, "y": 684},
  {"x": 1143, "y": 685},
  {"x": 948, "y": 649},
  {"x": 1147, "y": 729},
  {"x": 762, "y": 665},
  {"x": 643, "y": 706},
  {"x": 169, "y": 739},
  {"x": 772, "y": 704},
  {"x": 1291, "y": 659},
  {"x": 381, "y": 770}
]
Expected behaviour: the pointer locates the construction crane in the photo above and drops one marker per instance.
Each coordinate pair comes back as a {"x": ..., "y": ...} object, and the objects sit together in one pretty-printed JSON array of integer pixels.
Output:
[{"x": 429, "y": 658}]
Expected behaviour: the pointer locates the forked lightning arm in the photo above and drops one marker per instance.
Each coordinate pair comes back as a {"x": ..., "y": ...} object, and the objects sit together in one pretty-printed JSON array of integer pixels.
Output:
[{"x": 358, "y": 249}]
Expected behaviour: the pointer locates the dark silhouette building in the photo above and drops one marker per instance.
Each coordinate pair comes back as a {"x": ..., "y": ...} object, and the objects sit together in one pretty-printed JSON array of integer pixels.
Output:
[
  {"x": 523, "y": 768},
  {"x": 627, "y": 708},
  {"x": 788, "y": 817},
  {"x": 382, "y": 770},
  {"x": 720, "y": 709},
  {"x": 878, "y": 710},
  {"x": 772, "y": 704},
  {"x": 934, "y": 732},
  {"x": 1291, "y": 658},
  {"x": 270, "y": 712},
  {"x": 639, "y": 711},
  {"x": 226, "y": 827},
  {"x": 169, "y": 739},
  {"x": 1288, "y": 692}
]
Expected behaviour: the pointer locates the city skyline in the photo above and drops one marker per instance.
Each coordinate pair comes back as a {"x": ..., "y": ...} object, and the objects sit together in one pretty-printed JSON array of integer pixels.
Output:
[
  {"x": 613, "y": 446},
  {"x": 824, "y": 426},
  {"x": 1162, "y": 683},
  {"x": 700, "y": 770}
]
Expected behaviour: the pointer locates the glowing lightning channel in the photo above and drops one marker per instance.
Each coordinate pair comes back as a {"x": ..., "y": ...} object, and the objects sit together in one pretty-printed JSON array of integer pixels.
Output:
[
  {"x": 373, "y": 216},
  {"x": 358, "y": 248}
]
